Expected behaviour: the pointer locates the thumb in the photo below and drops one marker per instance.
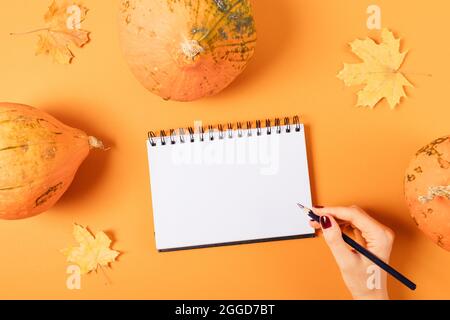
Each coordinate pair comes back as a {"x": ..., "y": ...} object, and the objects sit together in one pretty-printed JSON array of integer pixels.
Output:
[{"x": 333, "y": 236}]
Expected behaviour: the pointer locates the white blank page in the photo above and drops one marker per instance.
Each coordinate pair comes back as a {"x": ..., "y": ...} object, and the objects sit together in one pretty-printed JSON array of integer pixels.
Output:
[{"x": 230, "y": 190}]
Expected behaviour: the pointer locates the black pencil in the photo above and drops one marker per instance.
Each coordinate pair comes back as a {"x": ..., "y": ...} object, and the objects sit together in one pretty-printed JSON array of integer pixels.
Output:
[{"x": 369, "y": 255}]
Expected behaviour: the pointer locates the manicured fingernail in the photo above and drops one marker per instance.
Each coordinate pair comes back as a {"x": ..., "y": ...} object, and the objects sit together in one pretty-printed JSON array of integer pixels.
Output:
[{"x": 325, "y": 222}]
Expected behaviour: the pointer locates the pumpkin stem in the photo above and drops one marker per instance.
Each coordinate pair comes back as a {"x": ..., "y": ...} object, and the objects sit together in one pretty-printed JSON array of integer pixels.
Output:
[
  {"x": 95, "y": 143},
  {"x": 191, "y": 48}
]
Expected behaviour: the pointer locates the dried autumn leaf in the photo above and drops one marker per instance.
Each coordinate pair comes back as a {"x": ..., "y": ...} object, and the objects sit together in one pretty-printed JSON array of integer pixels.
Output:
[
  {"x": 379, "y": 71},
  {"x": 92, "y": 251},
  {"x": 62, "y": 31}
]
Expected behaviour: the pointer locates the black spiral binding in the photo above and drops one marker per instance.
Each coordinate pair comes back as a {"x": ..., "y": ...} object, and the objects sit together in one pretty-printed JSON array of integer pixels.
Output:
[{"x": 222, "y": 133}]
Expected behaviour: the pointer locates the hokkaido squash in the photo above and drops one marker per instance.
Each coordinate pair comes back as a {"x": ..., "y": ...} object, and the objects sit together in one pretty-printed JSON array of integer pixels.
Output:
[
  {"x": 184, "y": 49},
  {"x": 39, "y": 157},
  {"x": 427, "y": 190}
]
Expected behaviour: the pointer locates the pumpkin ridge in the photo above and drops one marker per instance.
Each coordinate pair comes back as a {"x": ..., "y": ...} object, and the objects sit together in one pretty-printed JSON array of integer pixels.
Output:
[
  {"x": 60, "y": 143},
  {"x": 196, "y": 12},
  {"x": 216, "y": 24},
  {"x": 55, "y": 143},
  {"x": 59, "y": 172},
  {"x": 11, "y": 188},
  {"x": 8, "y": 120},
  {"x": 9, "y": 110},
  {"x": 31, "y": 183},
  {"x": 242, "y": 43},
  {"x": 56, "y": 125},
  {"x": 14, "y": 147}
]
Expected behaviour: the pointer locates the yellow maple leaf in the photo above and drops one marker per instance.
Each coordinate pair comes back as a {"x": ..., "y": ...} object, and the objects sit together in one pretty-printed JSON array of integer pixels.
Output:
[
  {"x": 92, "y": 251},
  {"x": 379, "y": 72},
  {"x": 62, "y": 30}
]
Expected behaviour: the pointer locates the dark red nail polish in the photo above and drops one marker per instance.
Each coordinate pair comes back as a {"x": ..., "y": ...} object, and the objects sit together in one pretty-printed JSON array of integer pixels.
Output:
[{"x": 325, "y": 222}]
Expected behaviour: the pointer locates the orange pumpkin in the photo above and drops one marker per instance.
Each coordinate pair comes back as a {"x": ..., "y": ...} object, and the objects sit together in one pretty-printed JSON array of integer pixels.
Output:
[
  {"x": 185, "y": 50},
  {"x": 39, "y": 157},
  {"x": 427, "y": 191}
]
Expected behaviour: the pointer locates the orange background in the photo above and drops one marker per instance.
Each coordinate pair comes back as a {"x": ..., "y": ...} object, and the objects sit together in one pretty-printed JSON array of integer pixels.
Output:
[{"x": 357, "y": 156}]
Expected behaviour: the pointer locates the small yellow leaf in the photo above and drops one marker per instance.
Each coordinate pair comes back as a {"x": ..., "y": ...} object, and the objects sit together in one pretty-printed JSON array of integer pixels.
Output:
[
  {"x": 379, "y": 71},
  {"x": 92, "y": 251},
  {"x": 62, "y": 31}
]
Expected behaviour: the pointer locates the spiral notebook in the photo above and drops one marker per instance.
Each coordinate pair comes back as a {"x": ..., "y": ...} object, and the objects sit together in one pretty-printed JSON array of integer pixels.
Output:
[{"x": 232, "y": 184}]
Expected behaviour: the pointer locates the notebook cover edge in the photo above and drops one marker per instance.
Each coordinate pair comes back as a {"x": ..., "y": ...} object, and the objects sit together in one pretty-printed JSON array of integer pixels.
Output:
[{"x": 244, "y": 242}]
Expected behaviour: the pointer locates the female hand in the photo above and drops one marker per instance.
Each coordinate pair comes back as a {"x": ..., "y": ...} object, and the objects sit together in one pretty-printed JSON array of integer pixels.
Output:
[{"x": 355, "y": 268}]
